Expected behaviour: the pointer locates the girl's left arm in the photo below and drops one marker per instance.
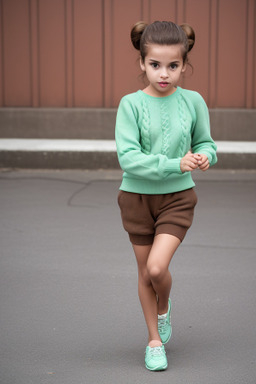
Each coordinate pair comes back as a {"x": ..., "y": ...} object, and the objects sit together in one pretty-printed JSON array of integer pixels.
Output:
[{"x": 202, "y": 141}]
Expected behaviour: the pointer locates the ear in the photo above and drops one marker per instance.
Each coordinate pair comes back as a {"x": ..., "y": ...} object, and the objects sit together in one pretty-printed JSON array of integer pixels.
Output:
[
  {"x": 142, "y": 65},
  {"x": 184, "y": 68}
]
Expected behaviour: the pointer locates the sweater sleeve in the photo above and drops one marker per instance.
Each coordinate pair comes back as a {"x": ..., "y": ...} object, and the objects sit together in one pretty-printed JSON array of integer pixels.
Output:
[
  {"x": 202, "y": 141},
  {"x": 129, "y": 151}
]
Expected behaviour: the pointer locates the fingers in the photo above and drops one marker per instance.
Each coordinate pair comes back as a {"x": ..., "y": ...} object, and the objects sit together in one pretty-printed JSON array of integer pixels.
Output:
[
  {"x": 188, "y": 163},
  {"x": 197, "y": 156},
  {"x": 192, "y": 161},
  {"x": 203, "y": 163},
  {"x": 204, "y": 166}
]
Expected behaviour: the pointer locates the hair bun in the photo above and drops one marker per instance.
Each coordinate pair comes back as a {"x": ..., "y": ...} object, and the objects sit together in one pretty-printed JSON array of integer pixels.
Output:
[
  {"x": 190, "y": 33},
  {"x": 136, "y": 33}
]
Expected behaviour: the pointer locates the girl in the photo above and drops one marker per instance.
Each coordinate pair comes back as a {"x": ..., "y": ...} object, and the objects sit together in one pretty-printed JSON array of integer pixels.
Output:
[{"x": 162, "y": 135}]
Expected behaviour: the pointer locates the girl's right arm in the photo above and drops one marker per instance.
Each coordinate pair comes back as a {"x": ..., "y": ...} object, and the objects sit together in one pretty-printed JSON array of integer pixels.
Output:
[{"x": 129, "y": 150}]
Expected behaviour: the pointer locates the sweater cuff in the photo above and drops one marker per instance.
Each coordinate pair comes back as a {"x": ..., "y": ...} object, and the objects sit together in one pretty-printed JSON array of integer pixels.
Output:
[{"x": 173, "y": 166}]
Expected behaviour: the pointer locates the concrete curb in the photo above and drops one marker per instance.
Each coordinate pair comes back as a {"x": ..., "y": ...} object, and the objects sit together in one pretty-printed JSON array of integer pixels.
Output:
[{"x": 100, "y": 154}]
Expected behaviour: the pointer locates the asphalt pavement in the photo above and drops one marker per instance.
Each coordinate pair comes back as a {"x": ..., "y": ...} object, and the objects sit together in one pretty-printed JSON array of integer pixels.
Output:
[{"x": 69, "y": 310}]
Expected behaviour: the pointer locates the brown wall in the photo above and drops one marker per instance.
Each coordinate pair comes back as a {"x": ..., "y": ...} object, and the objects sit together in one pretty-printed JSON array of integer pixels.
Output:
[{"x": 77, "y": 53}]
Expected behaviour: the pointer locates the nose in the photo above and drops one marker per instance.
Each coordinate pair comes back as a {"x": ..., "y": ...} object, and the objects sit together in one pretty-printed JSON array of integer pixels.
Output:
[{"x": 164, "y": 74}]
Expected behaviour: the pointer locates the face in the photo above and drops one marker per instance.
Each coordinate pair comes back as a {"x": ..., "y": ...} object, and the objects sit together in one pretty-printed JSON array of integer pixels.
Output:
[{"x": 163, "y": 66}]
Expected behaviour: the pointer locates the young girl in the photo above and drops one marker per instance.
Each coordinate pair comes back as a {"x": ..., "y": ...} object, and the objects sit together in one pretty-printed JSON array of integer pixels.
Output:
[{"x": 162, "y": 135}]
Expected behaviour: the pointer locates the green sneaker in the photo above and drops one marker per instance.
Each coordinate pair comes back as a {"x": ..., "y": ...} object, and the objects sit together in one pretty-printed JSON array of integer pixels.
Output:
[
  {"x": 155, "y": 359},
  {"x": 164, "y": 325}
]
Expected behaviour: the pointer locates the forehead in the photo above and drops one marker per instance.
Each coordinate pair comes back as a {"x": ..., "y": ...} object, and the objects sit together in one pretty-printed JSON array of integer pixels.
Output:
[{"x": 164, "y": 52}]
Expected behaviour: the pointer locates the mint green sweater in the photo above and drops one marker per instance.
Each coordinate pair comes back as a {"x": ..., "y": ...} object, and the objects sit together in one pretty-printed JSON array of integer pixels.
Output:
[{"x": 154, "y": 133}]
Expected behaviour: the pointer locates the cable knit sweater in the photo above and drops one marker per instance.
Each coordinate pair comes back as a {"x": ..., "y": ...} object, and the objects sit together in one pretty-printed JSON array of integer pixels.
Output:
[{"x": 154, "y": 133}]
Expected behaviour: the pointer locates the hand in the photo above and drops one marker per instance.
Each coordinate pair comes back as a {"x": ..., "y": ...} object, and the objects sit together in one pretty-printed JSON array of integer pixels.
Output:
[
  {"x": 190, "y": 162},
  {"x": 203, "y": 162}
]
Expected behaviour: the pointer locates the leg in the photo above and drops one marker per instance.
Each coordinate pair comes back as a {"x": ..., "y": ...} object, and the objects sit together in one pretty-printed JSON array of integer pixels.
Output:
[
  {"x": 160, "y": 256},
  {"x": 146, "y": 291},
  {"x": 154, "y": 279}
]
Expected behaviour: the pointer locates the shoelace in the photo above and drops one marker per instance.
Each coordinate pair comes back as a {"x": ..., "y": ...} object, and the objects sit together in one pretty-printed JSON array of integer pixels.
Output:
[
  {"x": 162, "y": 323},
  {"x": 156, "y": 351}
]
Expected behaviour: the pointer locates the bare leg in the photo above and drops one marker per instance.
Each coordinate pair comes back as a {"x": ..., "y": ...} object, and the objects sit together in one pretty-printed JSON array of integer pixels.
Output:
[
  {"x": 154, "y": 279},
  {"x": 158, "y": 262},
  {"x": 146, "y": 291}
]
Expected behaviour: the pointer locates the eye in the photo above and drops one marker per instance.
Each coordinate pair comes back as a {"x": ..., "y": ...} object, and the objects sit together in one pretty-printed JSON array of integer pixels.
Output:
[
  {"x": 154, "y": 65},
  {"x": 174, "y": 65}
]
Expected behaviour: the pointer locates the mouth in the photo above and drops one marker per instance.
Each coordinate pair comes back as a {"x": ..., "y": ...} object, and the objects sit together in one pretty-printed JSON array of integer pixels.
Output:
[{"x": 163, "y": 84}]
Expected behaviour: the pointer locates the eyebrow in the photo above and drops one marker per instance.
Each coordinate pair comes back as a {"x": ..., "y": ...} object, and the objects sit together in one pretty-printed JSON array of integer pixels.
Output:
[{"x": 158, "y": 62}]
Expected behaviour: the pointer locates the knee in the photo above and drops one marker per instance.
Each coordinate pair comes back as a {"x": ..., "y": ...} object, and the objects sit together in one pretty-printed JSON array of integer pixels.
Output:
[{"x": 155, "y": 272}]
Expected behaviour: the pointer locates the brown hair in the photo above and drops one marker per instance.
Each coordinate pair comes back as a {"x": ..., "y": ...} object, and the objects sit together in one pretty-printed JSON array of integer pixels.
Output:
[{"x": 162, "y": 33}]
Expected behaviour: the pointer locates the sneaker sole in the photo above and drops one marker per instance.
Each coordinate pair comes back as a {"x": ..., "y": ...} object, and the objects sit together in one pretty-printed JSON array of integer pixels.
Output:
[{"x": 160, "y": 368}]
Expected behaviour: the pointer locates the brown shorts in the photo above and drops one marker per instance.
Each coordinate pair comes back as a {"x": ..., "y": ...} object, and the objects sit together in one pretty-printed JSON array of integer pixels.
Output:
[{"x": 145, "y": 216}]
